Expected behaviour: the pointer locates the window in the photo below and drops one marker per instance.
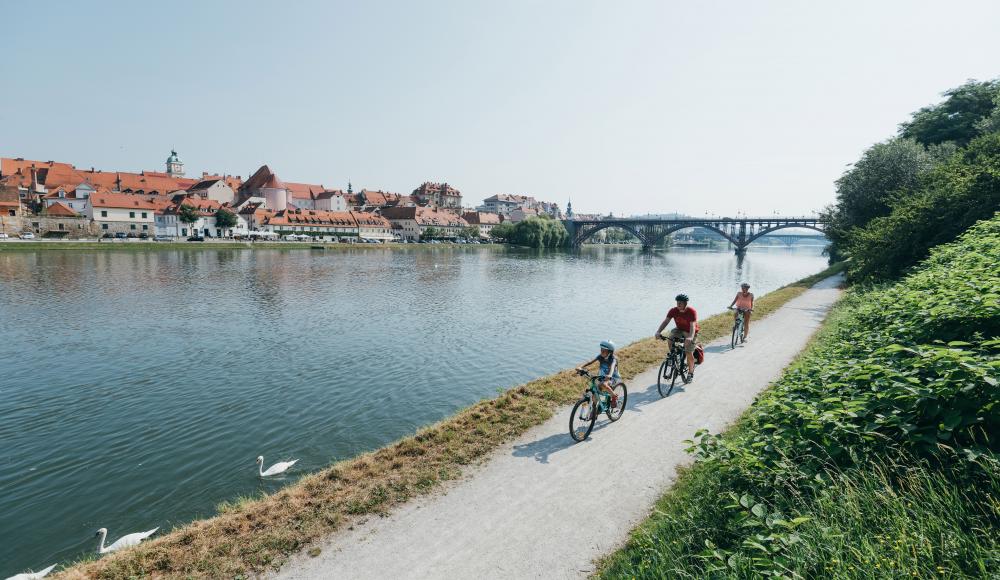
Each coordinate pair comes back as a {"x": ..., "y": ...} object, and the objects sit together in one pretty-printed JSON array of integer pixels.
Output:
[
  {"x": 131, "y": 226},
  {"x": 61, "y": 227},
  {"x": 143, "y": 215},
  {"x": 104, "y": 213},
  {"x": 131, "y": 214},
  {"x": 104, "y": 226},
  {"x": 12, "y": 212},
  {"x": 145, "y": 227}
]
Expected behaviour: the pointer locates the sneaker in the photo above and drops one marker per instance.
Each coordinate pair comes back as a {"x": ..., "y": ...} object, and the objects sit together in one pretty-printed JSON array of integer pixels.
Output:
[
  {"x": 689, "y": 378},
  {"x": 746, "y": 338}
]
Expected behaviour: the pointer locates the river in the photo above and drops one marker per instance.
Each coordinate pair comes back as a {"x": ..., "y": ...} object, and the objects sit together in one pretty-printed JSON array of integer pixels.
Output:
[{"x": 138, "y": 387}]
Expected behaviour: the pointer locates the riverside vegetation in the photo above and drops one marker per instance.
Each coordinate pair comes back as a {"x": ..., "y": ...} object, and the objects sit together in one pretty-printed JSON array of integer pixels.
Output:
[
  {"x": 875, "y": 455},
  {"x": 253, "y": 534}
]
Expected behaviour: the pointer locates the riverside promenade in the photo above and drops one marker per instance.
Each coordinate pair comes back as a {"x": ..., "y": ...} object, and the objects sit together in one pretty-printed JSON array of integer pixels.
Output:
[{"x": 546, "y": 507}]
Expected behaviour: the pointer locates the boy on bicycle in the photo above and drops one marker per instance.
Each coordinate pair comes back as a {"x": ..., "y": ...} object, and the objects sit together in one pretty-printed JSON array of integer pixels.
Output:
[
  {"x": 744, "y": 306},
  {"x": 686, "y": 327},
  {"x": 609, "y": 370}
]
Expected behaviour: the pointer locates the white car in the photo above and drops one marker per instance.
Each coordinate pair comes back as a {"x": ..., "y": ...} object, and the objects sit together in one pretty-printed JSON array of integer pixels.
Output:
[
  {"x": 27, "y": 236},
  {"x": 3, "y": 236}
]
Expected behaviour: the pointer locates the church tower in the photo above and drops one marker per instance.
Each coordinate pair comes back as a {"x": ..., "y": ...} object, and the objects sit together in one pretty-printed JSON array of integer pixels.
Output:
[
  {"x": 569, "y": 209},
  {"x": 175, "y": 167}
]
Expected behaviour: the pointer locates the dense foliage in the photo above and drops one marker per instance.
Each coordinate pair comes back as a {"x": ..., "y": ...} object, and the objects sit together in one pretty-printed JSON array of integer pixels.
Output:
[
  {"x": 958, "y": 119},
  {"x": 951, "y": 198},
  {"x": 225, "y": 219},
  {"x": 878, "y": 453},
  {"x": 534, "y": 232},
  {"x": 907, "y": 178},
  {"x": 188, "y": 214}
]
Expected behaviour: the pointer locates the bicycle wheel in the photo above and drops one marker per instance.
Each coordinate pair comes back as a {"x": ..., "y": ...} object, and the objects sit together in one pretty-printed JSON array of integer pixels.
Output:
[
  {"x": 736, "y": 329},
  {"x": 615, "y": 413},
  {"x": 582, "y": 419},
  {"x": 662, "y": 376}
]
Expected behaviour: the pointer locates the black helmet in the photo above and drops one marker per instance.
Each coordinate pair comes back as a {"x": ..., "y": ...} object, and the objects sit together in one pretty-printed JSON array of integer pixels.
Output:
[
  {"x": 681, "y": 298},
  {"x": 745, "y": 285}
]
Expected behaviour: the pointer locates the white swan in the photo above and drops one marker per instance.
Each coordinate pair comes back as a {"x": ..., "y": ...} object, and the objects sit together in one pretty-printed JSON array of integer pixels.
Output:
[
  {"x": 29, "y": 575},
  {"x": 279, "y": 467},
  {"x": 123, "y": 542}
]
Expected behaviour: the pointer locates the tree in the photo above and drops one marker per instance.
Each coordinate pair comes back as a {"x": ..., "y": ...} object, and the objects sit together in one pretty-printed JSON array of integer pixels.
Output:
[
  {"x": 958, "y": 118},
  {"x": 949, "y": 200},
  {"x": 867, "y": 190},
  {"x": 431, "y": 233},
  {"x": 502, "y": 232},
  {"x": 188, "y": 215},
  {"x": 469, "y": 233},
  {"x": 536, "y": 232},
  {"x": 225, "y": 219}
]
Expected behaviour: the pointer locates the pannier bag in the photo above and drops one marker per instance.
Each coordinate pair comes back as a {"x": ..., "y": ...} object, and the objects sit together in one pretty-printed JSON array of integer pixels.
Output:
[{"x": 699, "y": 355}]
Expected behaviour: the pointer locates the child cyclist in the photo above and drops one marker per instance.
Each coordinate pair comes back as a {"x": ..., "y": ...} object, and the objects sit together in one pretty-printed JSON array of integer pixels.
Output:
[
  {"x": 609, "y": 370},
  {"x": 744, "y": 306}
]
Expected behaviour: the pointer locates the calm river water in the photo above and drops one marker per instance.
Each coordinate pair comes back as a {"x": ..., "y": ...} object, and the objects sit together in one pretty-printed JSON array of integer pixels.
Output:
[{"x": 138, "y": 387}]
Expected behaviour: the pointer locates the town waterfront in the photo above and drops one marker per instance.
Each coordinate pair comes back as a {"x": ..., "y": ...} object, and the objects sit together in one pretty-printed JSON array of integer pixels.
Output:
[{"x": 140, "y": 386}]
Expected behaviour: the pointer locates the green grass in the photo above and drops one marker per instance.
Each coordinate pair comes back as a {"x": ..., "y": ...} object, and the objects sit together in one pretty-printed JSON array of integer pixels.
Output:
[
  {"x": 252, "y": 535},
  {"x": 874, "y": 456}
]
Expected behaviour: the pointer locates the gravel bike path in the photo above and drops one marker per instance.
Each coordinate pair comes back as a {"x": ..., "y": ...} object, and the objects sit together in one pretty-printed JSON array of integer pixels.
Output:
[{"x": 546, "y": 507}]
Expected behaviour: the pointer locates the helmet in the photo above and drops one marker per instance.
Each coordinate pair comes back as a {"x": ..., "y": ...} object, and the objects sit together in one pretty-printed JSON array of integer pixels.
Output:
[
  {"x": 745, "y": 285},
  {"x": 681, "y": 298},
  {"x": 607, "y": 344}
]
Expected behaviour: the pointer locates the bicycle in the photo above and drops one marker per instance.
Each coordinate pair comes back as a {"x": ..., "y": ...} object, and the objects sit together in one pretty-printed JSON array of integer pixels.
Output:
[
  {"x": 674, "y": 367},
  {"x": 594, "y": 402},
  {"x": 738, "y": 323}
]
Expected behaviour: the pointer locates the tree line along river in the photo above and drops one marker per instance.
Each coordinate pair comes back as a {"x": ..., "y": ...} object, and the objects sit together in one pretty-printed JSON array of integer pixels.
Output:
[{"x": 139, "y": 387}]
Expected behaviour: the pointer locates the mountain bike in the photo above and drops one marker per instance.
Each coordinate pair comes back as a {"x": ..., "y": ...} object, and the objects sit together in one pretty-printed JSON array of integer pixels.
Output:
[
  {"x": 594, "y": 402},
  {"x": 738, "y": 322},
  {"x": 674, "y": 367}
]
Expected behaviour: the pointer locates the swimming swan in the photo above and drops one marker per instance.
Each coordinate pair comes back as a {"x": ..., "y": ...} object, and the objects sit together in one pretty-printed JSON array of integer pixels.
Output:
[
  {"x": 30, "y": 575},
  {"x": 123, "y": 542},
  {"x": 280, "y": 467}
]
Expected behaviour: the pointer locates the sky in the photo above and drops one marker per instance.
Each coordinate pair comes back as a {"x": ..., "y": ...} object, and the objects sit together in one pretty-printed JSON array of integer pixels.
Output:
[{"x": 629, "y": 107}]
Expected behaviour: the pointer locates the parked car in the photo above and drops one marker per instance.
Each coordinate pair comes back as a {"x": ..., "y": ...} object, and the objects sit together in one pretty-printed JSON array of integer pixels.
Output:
[
  {"x": 27, "y": 236},
  {"x": 143, "y": 236},
  {"x": 162, "y": 238},
  {"x": 120, "y": 235},
  {"x": 131, "y": 235},
  {"x": 3, "y": 236},
  {"x": 196, "y": 239},
  {"x": 107, "y": 236}
]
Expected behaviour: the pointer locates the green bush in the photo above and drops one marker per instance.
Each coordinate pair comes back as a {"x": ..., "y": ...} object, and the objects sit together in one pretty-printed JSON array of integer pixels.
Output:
[{"x": 951, "y": 198}]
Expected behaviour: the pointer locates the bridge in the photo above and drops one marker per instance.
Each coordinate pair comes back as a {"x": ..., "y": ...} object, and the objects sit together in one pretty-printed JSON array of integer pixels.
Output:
[{"x": 741, "y": 232}]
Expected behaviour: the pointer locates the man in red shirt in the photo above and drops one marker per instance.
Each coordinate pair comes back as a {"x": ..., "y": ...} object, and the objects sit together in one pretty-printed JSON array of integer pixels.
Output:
[{"x": 686, "y": 327}]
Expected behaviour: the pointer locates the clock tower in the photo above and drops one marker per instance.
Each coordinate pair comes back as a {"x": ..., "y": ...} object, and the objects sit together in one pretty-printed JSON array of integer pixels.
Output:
[{"x": 175, "y": 167}]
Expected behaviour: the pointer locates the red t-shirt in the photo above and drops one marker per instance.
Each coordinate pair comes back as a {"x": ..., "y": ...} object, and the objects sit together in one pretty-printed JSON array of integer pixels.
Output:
[{"x": 684, "y": 319}]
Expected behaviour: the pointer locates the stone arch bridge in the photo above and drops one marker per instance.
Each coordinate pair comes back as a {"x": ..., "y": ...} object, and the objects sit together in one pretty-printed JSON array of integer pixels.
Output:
[{"x": 741, "y": 232}]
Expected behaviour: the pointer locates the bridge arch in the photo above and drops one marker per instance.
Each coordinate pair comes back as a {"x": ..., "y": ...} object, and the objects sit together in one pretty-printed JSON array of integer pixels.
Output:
[
  {"x": 766, "y": 231},
  {"x": 582, "y": 236},
  {"x": 666, "y": 232}
]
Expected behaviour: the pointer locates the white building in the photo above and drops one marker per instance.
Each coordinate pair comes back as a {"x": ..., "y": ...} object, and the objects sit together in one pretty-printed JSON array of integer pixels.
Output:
[
  {"x": 213, "y": 189},
  {"x": 412, "y": 222},
  {"x": 122, "y": 212}
]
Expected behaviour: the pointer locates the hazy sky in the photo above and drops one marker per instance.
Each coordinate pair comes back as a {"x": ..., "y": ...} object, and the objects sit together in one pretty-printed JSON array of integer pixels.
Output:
[{"x": 623, "y": 106}]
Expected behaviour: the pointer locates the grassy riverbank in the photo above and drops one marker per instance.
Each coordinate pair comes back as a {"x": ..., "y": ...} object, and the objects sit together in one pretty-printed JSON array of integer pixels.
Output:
[
  {"x": 254, "y": 534},
  {"x": 874, "y": 456}
]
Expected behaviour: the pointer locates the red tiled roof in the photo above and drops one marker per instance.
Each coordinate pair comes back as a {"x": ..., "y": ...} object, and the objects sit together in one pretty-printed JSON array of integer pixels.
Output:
[
  {"x": 121, "y": 201},
  {"x": 367, "y": 218},
  {"x": 307, "y": 217},
  {"x": 425, "y": 216},
  {"x": 60, "y": 210},
  {"x": 481, "y": 218}
]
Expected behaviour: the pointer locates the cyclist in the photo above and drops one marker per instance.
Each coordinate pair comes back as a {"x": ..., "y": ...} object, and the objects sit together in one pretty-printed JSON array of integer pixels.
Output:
[
  {"x": 744, "y": 306},
  {"x": 609, "y": 369},
  {"x": 685, "y": 326}
]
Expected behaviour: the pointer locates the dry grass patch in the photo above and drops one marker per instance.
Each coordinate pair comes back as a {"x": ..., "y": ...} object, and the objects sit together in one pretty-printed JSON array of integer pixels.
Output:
[{"x": 251, "y": 535}]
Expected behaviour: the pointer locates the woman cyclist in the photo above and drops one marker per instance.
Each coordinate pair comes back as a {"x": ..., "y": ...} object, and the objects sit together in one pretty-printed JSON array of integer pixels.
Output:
[
  {"x": 744, "y": 306},
  {"x": 609, "y": 369}
]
